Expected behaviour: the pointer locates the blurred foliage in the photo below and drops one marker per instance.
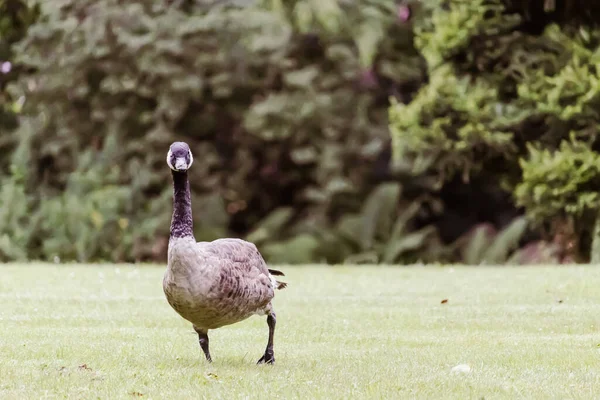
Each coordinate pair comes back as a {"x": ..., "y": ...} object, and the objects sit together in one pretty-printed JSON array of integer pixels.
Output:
[
  {"x": 381, "y": 231},
  {"x": 562, "y": 182},
  {"x": 15, "y": 18},
  {"x": 451, "y": 126},
  {"x": 561, "y": 186},
  {"x": 485, "y": 245},
  {"x": 286, "y": 106},
  {"x": 511, "y": 100}
]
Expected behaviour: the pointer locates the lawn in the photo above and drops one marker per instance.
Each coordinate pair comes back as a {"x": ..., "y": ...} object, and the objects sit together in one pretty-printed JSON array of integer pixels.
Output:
[{"x": 87, "y": 332}]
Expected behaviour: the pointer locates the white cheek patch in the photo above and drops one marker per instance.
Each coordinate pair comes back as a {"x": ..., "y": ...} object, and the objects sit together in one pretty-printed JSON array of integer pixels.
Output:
[{"x": 169, "y": 160}]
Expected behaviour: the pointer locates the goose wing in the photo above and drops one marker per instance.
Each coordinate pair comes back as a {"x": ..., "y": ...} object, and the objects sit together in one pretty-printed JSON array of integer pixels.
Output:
[
  {"x": 241, "y": 260},
  {"x": 237, "y": 251}
]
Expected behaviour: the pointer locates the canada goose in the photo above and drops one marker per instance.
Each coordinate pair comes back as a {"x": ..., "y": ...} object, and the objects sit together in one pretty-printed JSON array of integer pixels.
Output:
[{"x": 218, "y": 283}]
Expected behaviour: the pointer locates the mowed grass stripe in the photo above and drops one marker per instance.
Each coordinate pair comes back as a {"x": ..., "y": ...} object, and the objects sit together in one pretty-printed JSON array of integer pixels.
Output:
[{"x": 106, "y": 331}]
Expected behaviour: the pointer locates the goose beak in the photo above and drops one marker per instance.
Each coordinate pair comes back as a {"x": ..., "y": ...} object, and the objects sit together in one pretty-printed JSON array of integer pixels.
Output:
[{"x": 180, "y": 164}]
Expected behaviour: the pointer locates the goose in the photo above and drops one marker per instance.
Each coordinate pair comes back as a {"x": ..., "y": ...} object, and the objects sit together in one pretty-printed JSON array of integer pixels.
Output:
[{"x": 218, "y": 283}]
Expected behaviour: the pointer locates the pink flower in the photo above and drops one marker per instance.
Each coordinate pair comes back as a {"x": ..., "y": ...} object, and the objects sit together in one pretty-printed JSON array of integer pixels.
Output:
[
  {"x": 368, "y": 79},
  {"x": 5, "y": 67},
  {"x": 403, "y": 13}
]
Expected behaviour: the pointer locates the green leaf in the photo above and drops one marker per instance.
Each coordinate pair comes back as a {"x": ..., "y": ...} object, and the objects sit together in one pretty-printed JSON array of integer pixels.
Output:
[
  {"x": 409, "y": 242},
  {"x": 505, "y": 242},
  {"x": 271, "y": 225},
  {"x": 350, "y": 227},
  {"x": 377, "y": 213},
  {"x": 300, "y": 249},
  {"x": 478, "y": 243},
  {"x": 302, "y": 78}
]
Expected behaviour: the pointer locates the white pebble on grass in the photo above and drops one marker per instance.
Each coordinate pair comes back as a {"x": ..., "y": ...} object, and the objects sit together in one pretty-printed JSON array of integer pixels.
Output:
[{"x": 461, "y": 369}]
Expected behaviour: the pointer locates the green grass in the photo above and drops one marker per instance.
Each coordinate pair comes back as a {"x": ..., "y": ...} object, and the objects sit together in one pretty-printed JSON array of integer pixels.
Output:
[{"x": 87, "y": 332}]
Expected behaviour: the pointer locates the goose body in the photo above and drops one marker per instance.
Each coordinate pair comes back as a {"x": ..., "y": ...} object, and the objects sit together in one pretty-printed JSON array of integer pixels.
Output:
[{"x": 218, "y": 283}]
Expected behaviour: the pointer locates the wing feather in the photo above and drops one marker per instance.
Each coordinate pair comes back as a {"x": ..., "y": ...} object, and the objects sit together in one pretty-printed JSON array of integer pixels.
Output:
[{"x": 245, "y": 256}]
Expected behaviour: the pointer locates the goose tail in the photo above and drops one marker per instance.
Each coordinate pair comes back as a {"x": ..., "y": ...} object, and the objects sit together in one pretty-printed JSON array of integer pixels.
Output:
[
  {"x": 280, "y": 285},
  {"x": 277, "y": 284}
]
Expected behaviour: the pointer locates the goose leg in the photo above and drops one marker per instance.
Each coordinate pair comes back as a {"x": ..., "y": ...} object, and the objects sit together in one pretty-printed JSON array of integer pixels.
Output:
[
  {"x": 203, "y": 340},
  {"x": 269, "y": 356}
]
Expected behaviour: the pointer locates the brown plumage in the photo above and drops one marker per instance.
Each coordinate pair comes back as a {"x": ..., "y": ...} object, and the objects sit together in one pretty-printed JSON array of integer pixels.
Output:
[{"x": 218, "y": 283}]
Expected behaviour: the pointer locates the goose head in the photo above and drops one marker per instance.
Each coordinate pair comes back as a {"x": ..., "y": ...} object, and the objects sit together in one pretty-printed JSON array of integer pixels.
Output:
[{"x": 180, "y": 157}]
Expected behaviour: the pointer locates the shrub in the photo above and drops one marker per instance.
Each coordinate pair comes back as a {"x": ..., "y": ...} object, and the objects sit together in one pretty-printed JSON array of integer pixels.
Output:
[{"x": 508, "y": 84}]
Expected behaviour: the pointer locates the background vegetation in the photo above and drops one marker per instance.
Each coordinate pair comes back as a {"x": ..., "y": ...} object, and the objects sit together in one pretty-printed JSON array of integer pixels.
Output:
[{"x": 331, "y": 131}]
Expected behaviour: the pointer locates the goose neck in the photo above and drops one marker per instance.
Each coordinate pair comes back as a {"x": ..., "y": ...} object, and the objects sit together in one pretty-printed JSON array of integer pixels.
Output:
[{"x": 181, "y": 222}]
